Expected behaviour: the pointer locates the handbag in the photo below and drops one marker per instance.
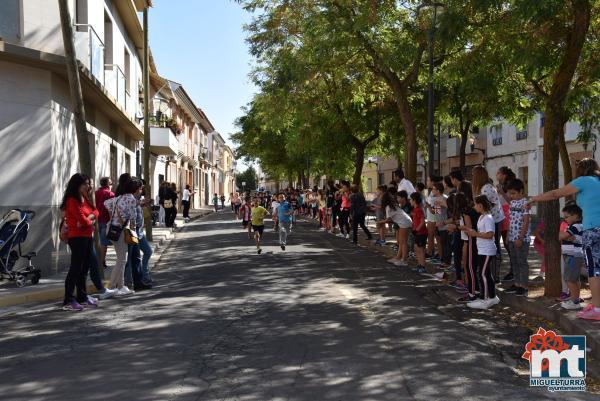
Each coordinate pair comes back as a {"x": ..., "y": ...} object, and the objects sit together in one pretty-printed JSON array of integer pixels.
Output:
[
  {"x": 131, "y": 237},
  {"x": 168, "y": 204},
  {"x": 113, "y": 233}
]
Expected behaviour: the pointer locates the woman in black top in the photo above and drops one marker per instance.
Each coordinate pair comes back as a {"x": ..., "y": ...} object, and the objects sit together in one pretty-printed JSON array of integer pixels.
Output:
[{"x": 358, "y": 210}]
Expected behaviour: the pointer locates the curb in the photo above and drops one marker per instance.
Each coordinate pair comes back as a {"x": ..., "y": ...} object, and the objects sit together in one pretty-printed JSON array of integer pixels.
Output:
[{"x": 56, "y": 293}]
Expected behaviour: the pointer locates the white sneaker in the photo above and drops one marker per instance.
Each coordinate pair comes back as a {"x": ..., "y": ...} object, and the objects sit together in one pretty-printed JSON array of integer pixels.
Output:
[
  {"x": 569, "y": 304},
  {"x": 478, "y": 304},
  {"x": 340, "y": 235},
  {"x": 322, "y": 229},
  {"x": 493, "y": 301},
  {"x": 347, "y": 236},
  {"x": 393, "y": 260},
  {"x": 108, "y": 293},
  {"x": 400, "y": 263},
  {"x": 124, "y": 291}
]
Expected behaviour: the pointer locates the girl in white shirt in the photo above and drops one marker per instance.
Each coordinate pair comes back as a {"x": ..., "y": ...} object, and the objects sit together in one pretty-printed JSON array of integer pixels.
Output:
[
  {"x": 486, "y": 247},
  {"x": 402, "y": 224}
]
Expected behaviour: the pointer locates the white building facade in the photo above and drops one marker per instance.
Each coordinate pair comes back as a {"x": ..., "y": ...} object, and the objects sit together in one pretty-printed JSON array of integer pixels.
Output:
[{"x": 37, "y": 132}]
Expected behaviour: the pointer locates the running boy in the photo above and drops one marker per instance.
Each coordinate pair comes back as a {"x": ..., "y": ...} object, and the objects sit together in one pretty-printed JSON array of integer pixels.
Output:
[
  {"x": 486, "y": 247},
  {"x": 572, "y": 250},
  {"x": 258, "y": 222},
  {"x": 246, "y": 215},
  {"x": 518, "y": 237},
  {"x": 419, "y": 230},
  {"x": 284, "y": 215}
]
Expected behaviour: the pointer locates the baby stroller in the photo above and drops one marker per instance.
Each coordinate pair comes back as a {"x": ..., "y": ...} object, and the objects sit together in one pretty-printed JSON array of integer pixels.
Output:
[{"x": 14, "y": 227}]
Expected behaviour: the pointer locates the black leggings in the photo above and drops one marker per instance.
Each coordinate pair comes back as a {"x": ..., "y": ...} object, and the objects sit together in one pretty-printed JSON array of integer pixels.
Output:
[
  {"x": 343, "y": 221},
  {"x": 359, "y": 220},
  {"x": 186, "y": 208},
  {"x": 81, "y": 252},
  {"x": 457, "y": 247},
  {"x": 471, "y": 259},
  {"x": 485, "y": 275}
]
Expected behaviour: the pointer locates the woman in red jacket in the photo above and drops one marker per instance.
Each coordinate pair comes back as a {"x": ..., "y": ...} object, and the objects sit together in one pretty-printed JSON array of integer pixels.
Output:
[{"x": 80, "y": 216}]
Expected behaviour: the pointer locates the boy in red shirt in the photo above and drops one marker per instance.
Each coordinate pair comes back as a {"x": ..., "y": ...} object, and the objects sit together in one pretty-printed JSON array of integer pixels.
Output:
[{"x": 419, "y": 230}]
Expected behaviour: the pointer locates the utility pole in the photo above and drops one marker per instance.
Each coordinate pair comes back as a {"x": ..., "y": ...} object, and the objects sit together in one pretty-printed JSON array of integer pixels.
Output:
[
  {"x": 147, "y": 172},
  {"x": 83, "y": 146}
]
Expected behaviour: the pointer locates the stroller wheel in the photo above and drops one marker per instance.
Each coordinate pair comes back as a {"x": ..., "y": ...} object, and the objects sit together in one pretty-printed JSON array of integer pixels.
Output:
[{"x": 21, "y": 281}]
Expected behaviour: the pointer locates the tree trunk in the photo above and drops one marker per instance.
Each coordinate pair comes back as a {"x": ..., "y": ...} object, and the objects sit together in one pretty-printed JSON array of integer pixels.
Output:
[
  {"x": 359, "y": 162},
  {"x": 83, "y": 146},
  {"x": 550, "y": 210},
  {"x": 553, "y": 130},
  {"x": 564, "y": 157},
  {"x": 410, "y": 132}
]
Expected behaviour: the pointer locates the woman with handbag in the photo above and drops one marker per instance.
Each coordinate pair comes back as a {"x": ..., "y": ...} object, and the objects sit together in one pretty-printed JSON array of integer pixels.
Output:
[
  {"x": 121, "y": 230},
  {"x": 80, "y": 216}
]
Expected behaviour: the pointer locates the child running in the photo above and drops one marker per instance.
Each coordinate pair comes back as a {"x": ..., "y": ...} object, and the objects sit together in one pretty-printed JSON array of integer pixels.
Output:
[
  {"x": 284, "y": 215},
  {"x": 258, "y": 222},
  {"x": 246, "y": 215},
  {"x": 486, "y": 246},
  {"x": 419, "y": 230}
]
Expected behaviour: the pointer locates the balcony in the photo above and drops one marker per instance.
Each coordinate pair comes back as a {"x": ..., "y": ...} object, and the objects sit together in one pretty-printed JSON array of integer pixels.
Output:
[
  {"x": 163, "y": 141},
  {"x": 521, "y": 135},
  {"x": 497, "y": 141},
  {"x": 115, "y": 83},
  {"x": 90, "y": 50}
]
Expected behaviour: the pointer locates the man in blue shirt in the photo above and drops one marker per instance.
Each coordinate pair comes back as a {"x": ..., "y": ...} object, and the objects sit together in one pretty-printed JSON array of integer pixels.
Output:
[{"x": 284, "y": 215}]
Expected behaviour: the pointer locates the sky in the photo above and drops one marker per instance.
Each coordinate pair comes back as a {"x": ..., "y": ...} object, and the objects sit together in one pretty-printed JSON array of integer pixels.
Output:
[{"x": 200, "y": 44}]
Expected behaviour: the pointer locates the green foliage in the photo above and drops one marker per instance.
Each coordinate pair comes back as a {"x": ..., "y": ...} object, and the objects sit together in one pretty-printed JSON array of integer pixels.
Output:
[{"x": 249, "y": 177}]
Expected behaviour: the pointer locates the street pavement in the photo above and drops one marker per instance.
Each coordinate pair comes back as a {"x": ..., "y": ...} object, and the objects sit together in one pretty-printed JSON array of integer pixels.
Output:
[{"x": 323, "y": 320}]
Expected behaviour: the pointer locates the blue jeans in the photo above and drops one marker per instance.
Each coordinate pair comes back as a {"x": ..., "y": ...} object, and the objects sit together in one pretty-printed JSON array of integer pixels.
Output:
[{"x": 147, "y": 251}]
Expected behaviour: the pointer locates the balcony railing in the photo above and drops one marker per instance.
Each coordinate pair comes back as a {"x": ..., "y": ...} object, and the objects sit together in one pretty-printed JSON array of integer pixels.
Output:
[
  {"x": 116, "y": 83},
  {"x": 521, "y": 135},
  {"x": 497, "y": 141},
  {"x": 90, "y": 50}
]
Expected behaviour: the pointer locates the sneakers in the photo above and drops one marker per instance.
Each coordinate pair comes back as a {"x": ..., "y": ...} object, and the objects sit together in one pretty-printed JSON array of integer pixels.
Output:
[
  {"x": 459, "y": 285},
  {"x": 91, "y": 302},
  {"x": 511, "y": 290},
  {"x": 563, "y": 297},
  {"x": 420, "y": 269},
  {"x": 400, "y": 263},
  {"x": 320, "y": 229},
  {"x": 108, "y": 293},
  {"x": 259, "y": 251},
  {"x": 467, "y": 298},
  {"x": 393, "y": 260},
  {"x": 347, "y": 236},
  {"x": 484, "y": 303},
  {"x": 509, "y": 277},
  {"x": 124, "y": 291},
  {"x": 522, "y": 292},
  {"x": 282, "y": 247},
  {"x": 341, "y": 235},
  {"x": 571, "y": 305},
  {"x": 73, "y": 306},
  {"x": 589, "y": 313},
  {"x": 380, "y": 242}
]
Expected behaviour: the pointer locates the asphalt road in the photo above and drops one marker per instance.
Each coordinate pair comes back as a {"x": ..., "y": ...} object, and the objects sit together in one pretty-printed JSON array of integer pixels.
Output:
[{"x": 323, "y": 320}]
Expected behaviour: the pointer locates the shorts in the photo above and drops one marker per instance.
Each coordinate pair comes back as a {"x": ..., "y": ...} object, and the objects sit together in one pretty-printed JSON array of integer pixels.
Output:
[
  {"x": 420, "y": 240},
  {"x": 245, "y": 223},
  {"x": 591, "y": 251},
  {"x": 573, "y": 265},
  {"x": 103, "y": 240},
  {"x": 258, "y": 229}
]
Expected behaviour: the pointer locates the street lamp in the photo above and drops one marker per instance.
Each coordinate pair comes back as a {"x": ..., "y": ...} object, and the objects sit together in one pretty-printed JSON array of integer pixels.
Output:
[{"x": 430, "y": 104}]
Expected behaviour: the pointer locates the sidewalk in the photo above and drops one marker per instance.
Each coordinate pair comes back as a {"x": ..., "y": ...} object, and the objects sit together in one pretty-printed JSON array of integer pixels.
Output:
[
  {"x": 536, "y": 304},
  {"x": 52, "y": 288}
]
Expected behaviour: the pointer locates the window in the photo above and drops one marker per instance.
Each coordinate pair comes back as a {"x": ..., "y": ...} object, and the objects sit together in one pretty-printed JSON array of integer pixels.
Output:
[
  {"x": 10, "y": 20},
  {"x": 127, "y": 71},
  {"x": 108, "y": 39},
  {"x": 381, "y": 179},
  {"x": 496, "y": 134},
  {"x": 81, "y": 12},
  {"x": 369, "y": 185},
  {"x": 113, "y": 163},
  {"x": 521, "y": 135},
  {"x": 127, "y": 163}
]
